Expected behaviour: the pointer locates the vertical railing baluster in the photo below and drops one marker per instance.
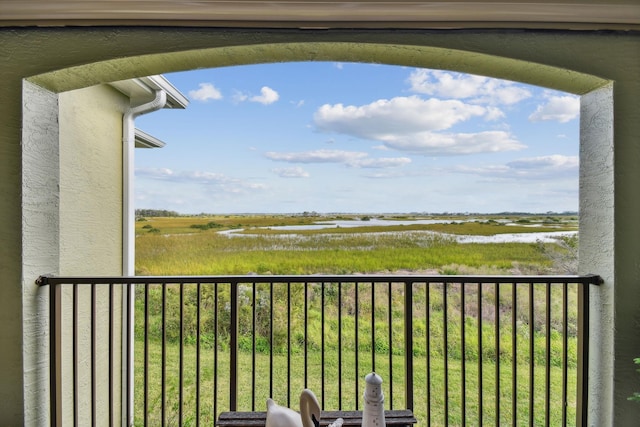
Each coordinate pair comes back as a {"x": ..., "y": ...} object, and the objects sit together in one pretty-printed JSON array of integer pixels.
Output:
[
  {"x": 547, "y": 372},
  {"x": 181, "y": 358},
  {"x": 408, "y": 342},
  {"x": 94, "y": 368},
  {"x": 322, "y": 332},
  {"x": 583, "y": 355},
  {"x": 514, "y": 363},
  {"x": 373, "y": 326},
  {"x": 233, "y": 346},
  {"x": 565, "y": 345},
  {"x": 585, "y": 364},
  {"x": 128, "y": 347},
  {"x": 357, "y": 344},
  {"x": 289, "y": 344},
  {"x": 145, "y": 402},
  {"x": 215, "y": 349},
  {"x": 306, "y": 334},
  {"x": 163, "y": 402},
  {"x": 390, "y": 346},
  {"x": 463, "y": 372},
  {"x": 198, "y": 302},
  {"x": 271, "y": 336},
  {"x": 445, "y": 351},
  {"x": 531, "y": 355},
  {"x": 253, "y": 346},
  {"x": 53, "y": 358},
  {"x": 496, "y": 291},
  {"x": 339, "y": 345},
  {"x": 76, "y": 377},
  {"x": 428, "y": 348},
  {"x": 480, "y": 384},
  {"x": 110, "y": 347}
]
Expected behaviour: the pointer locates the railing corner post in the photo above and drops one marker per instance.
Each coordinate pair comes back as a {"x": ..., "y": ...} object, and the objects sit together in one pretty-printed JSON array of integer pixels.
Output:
[
  {"x": 53, "y": 354},
  {"x": 582, "y": 397},
  {"x": 233, "y": 347},
  {"x": 408, "y": 342}
]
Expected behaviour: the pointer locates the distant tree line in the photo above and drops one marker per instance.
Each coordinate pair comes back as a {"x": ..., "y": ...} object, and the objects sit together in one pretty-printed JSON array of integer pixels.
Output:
[{"x": 155, "y": 212}]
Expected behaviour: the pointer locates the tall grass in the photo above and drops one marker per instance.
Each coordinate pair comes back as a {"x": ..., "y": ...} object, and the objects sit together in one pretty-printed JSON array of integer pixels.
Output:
[
  {"x": 270, "y": 340},
  {"x": 180, "y": 249},
  {"x": 330, "y": 397},
  {"x": 208, "y": 253}
]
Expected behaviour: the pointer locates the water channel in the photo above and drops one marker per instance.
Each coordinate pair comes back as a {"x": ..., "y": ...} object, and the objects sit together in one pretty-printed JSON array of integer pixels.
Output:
[{"x": 531, "y": 237}]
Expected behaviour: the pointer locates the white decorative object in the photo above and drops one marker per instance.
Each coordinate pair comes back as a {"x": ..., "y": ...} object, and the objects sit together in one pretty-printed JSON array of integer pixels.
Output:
[
  {"x": 373, "y": 414},
  {"x": 309, "y": 416}
]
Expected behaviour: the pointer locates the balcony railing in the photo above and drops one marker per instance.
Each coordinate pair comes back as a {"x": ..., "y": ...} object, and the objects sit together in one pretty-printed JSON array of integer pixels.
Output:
[{"x": 503, "y": 350}]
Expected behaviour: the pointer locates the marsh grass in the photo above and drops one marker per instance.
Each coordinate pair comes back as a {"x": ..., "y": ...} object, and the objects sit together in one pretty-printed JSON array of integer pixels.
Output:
[
  {"x": 326, "y": 346},
  {"x": 180, "y": 249},
  {"x": 461, "y": 228},
  {"x": 210, "y": 253},
  {"x": 260, "y": 224},
  {"x": 183, "y": 224}
]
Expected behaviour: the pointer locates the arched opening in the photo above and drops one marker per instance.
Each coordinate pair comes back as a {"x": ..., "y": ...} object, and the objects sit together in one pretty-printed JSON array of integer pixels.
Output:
[{"x": 428, "y": 57}]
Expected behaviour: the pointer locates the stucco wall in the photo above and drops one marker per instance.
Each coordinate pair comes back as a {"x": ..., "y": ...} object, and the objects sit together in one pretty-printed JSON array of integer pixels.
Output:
[
  {"x": 577, "y": 62},
  {"x": 90, "y": 145},
  {"x": 597, "y": 187},
  {"x": 91, "y": 181},
  {"x": 40, "y": 254}
]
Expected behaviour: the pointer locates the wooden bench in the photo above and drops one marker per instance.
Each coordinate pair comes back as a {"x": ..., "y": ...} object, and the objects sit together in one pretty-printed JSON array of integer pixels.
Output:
[{"x": 395, "y": 418}]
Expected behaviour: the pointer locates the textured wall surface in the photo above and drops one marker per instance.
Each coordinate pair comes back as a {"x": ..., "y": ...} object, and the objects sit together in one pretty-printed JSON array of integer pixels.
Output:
[
  {"x": 597, "y": 249},
  {"x": 91, "y": 181},
  {"x": 578, "y": 62},
  {"x": 40, "y": 250},
  {"x": 90, "y": 142}
]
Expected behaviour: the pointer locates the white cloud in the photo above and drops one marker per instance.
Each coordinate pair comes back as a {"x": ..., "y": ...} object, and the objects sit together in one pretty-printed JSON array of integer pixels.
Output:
[
  {"x": 557, "y": 108},
  {"x": 409, "y": 124},
  {"x": 494, "y": 113},
  {"x": 354, "y": 159},
  {"x": 220, "y": 181},
  {"x": 239, "y": 97},
  {"x": 385, "y": 162},
  {"x": 452, "y": 144},
  {"x": 400, "y": 115},
  {"x": 543, "y": 167},
  {"x": 317, "y": 156},
  {"x": 267, "y": 96},
  {"x": 385, "y": 175},
  {"x": 551, "y": 162},
  {"x": 206, "y": 92},
  {"x": 295, "y": 172},
  {"x": 478, "y": 89}
]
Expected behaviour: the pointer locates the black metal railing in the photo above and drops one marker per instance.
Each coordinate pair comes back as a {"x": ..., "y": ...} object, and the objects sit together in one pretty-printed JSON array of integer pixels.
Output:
[{"x": 501, "y": 350}]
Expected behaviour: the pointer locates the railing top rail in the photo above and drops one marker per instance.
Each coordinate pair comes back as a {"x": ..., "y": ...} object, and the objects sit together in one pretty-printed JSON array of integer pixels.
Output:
[{"x": 590, "y": 279}]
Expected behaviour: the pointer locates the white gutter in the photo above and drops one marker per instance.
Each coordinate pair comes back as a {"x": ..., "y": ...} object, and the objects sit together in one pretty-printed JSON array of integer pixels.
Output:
[
  {"x": 128, "y": 241},
  {"x": 128, "y": 208},
  {"x": 164, "y": 95}
]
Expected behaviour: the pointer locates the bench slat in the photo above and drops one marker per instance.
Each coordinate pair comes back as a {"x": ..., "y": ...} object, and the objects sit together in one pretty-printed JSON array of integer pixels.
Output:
[{"x": 401, "y": 417}]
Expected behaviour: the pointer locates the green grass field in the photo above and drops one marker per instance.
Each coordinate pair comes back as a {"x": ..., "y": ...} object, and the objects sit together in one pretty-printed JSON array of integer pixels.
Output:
[
  {"x": 206, "y": 252},
  {"x": 192, "y": 246},
  {"x": 348, "y": 387}
]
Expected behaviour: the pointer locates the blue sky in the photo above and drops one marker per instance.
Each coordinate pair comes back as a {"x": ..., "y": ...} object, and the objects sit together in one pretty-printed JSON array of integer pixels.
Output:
[{"x": 359, "y": 138}]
